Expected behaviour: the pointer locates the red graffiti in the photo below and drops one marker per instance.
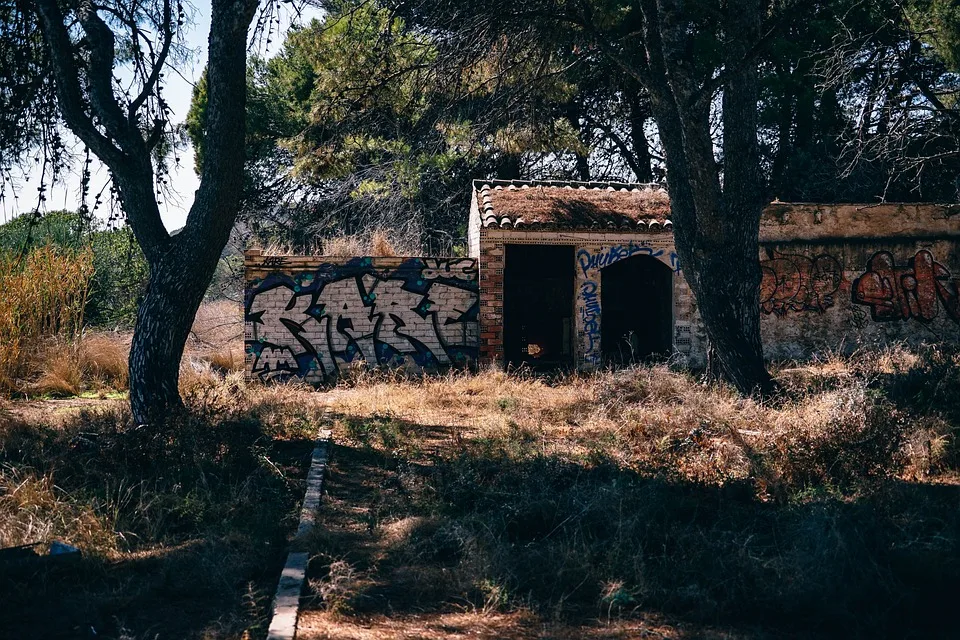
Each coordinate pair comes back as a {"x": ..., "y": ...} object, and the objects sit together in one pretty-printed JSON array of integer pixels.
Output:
[
  {"x": 799, "y": 283},
  {"x": 914, "y": 291}
]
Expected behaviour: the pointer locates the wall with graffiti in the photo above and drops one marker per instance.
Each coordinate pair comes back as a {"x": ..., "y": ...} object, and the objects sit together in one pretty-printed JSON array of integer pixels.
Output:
[
  {"x": 844, "y": 296},
  {"x": 592, "y": 257},
  {"x": 313, "y": 318}
]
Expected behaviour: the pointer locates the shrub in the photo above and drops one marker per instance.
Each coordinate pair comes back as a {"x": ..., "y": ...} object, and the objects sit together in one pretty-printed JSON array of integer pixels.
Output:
[{"x": 119, "y": 267}]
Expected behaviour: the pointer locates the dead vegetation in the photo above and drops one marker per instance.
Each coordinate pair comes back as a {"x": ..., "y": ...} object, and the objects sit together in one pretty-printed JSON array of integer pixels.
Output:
[
  {"x": 42, "y": 297},
  {"x": 379, "y": 243},
  {"x": 590, "y": 503},
  {"x": 93, "y": 363},
  {"x": 635, "y": 503},
  {"x": 182, "y": 525}
]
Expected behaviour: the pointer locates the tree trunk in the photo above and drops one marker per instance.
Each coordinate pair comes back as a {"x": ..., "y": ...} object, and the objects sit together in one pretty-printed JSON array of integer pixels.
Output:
[
  {"x": 726, "y": 284},
  {"x": 716, "y": 222},
  {"x": 164, "y": 319},
  {"x": 182, "y": 268}
]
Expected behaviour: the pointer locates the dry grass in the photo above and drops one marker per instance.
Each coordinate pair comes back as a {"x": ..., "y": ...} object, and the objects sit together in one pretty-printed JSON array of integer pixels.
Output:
[
  {"x": 182, "y": 526},
  {"x": 216, "y": 338},
  {"x": 635, "y": 503},
  {"x": 378, "y": 244},
  {"x": 829, "y": 510},
  {"x": 96, "y": 362},
  {"x": 42, "y": 295}
]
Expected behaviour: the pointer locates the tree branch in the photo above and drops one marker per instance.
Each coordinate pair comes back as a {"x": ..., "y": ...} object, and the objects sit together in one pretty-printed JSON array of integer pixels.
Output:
[
  {"x": 67, "y": 76},
  {"x": 154, "y": 77},
  {"x": 100, "y": 75}
]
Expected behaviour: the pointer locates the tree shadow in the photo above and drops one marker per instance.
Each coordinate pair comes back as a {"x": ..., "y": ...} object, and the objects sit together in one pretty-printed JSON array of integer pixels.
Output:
[{"x": 491, "y": 528}]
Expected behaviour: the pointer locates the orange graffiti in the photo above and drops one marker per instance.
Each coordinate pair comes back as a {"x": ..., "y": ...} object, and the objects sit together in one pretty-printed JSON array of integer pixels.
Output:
[{"x": 914, "y": 291}]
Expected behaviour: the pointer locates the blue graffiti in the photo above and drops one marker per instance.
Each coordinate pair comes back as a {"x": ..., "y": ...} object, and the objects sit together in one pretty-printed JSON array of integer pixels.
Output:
[
  {"x": 310, "y": 323},
  {"x": 590, "y": 317},
  {"x": 606, "y": 257},
  {"x": 675, "y": 261}
]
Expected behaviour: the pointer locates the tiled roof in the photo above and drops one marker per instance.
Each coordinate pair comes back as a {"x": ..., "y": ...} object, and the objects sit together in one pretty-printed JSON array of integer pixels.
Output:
[{"x": 516, "y": 204}]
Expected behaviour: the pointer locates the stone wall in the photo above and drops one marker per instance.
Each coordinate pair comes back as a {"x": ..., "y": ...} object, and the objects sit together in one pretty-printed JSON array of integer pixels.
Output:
[{"x": 313, "y": 317}]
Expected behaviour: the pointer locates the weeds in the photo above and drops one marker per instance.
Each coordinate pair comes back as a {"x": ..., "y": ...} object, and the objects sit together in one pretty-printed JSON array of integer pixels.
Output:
[{"x": 199, "y": 505}]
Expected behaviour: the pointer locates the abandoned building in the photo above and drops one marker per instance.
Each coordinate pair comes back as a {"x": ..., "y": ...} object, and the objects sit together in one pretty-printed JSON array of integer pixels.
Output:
[{"x": 579, "y": 275}]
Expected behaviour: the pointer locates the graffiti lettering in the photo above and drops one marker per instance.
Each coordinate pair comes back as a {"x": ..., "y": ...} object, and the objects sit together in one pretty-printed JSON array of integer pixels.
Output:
[
  {"x": 608, "y": 256},
  {"x": 914, "y": 291},
  {"x": 590, "y": 319},
  {"x": 456, "y": 269},
  {"x": 675, "y": 261},
  {"x": 799, "y": 283},
  {"x": 312, "y": 324},
  {"x": 274, "y": 261}
]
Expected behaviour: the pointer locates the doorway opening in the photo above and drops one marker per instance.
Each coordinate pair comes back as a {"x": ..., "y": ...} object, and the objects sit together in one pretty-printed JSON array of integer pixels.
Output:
[
  {"x": 636, "y": 303},
  {"x": 538, "y": 288}
]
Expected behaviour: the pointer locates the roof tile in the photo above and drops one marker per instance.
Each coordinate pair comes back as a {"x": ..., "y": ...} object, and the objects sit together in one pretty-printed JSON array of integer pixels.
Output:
[{"x": 572, "y": 205}]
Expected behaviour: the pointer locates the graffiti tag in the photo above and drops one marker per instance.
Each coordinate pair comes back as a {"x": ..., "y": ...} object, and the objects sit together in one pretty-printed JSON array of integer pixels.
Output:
[
  {"x": 608, "y": 256},
  {"x": 590, "y": 319},
  {"x": 916, "y": 290},
  {"x": 274, "y": 261},
  {"x": 456, "y": 269},
  {"x": 799, "y": 283}
]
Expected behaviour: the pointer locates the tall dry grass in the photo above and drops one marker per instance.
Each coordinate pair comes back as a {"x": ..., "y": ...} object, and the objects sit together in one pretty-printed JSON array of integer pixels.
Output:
[{"x": 42, "y": 295}]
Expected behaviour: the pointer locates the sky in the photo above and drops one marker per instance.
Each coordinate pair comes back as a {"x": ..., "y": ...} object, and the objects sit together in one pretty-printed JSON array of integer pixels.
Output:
[{"x": 178, "y": 91}]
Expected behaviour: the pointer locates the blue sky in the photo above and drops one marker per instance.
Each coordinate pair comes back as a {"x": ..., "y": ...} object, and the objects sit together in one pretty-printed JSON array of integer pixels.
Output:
[{"x": 178, "y": 93}]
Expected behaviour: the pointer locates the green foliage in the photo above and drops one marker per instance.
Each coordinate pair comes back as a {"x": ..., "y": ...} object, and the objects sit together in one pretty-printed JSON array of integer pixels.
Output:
[
  {"x": 937, "y": 23},
  {"x": 120, "y": 269},
  {"x": 364, "y": 112}
]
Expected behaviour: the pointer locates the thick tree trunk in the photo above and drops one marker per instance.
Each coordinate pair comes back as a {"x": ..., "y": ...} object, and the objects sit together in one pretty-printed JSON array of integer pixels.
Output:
[
  {"x": 726, "y": 284},
  {"x": 164, "y": 319}
]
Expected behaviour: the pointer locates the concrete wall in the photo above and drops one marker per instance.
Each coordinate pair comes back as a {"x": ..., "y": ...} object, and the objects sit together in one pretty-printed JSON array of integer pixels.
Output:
[
  {"x": 841, "y": 296},
  {"x": 312, "y": 317}
]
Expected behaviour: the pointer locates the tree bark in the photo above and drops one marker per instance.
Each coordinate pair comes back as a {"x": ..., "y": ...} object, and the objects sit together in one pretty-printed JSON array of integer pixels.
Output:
[
  {"x": 180, "y": 275},
  {"x": 164, "y": 320},
  {"x": 716, "y": 222}
]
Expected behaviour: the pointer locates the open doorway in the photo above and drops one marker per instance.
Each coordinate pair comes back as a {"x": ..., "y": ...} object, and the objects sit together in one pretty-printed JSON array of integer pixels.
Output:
[
  {"x": 538, "y": 288},
  {"x": 636, "y": 303}
]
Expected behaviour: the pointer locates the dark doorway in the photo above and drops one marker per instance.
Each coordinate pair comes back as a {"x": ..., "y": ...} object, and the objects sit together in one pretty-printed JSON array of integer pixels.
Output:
[
  {"x": 636, "y": 310},
  {"x": 538, "y": 305}
]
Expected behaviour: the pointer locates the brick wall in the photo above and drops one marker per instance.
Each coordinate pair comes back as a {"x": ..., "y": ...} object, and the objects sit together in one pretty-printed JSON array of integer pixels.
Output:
[
  {"x": 312, "y": 317},
  {"x": 593, "y": 251}
]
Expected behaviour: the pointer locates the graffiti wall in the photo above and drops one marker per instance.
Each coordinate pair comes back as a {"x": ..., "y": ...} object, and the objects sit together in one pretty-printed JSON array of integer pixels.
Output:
[
  {"x": 848, "y": 296},
  {"x": 815, "y": 297},
  {"x": 313, "y": 317}
]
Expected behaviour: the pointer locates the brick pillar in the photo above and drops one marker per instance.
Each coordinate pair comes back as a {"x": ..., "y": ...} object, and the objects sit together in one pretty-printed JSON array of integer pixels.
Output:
[{"x": 491, "y": 267}]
